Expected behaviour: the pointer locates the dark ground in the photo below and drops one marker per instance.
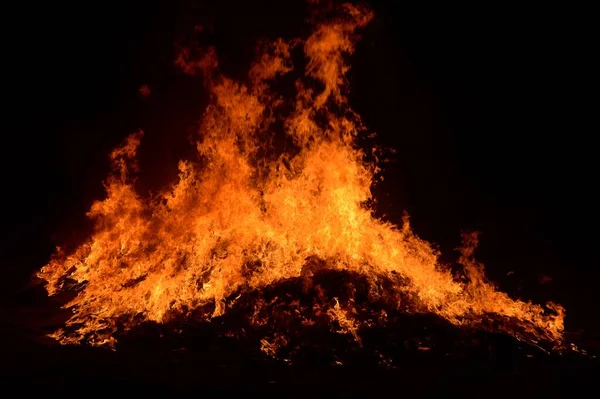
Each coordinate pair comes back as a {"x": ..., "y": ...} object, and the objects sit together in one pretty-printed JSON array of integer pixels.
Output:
[
  {"x": 187, "y": 357},
  {"x": 489, "y": 109}
]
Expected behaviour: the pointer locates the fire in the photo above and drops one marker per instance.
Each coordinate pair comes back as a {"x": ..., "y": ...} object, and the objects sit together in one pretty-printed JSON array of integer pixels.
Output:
[{"x": 250, "y": 215}]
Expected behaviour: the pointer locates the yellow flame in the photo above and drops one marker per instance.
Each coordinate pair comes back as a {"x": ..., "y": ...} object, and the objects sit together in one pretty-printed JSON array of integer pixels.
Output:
[{"x": 250, "y": 204}]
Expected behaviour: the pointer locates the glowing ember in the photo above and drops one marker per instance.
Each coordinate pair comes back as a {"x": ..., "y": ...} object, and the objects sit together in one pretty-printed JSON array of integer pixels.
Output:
[
  {"x": 144, "y": 91},
  {"x": 252, "y": 216}
]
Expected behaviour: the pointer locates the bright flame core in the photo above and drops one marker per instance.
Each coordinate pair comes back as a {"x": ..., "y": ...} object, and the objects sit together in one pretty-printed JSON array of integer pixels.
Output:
[{"x": 252, "y": 216}]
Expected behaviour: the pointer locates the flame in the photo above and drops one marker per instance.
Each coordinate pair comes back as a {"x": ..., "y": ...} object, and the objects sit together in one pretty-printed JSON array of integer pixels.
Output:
[{"x": 251, "y": 215}]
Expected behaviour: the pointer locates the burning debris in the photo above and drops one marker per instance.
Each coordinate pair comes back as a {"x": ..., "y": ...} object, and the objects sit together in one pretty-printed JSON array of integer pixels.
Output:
[{"x": 284, "y": 237}]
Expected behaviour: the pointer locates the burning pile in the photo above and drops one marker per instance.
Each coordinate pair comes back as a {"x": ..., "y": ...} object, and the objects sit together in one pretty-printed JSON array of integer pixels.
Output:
[{"x": 253, "y": 214}]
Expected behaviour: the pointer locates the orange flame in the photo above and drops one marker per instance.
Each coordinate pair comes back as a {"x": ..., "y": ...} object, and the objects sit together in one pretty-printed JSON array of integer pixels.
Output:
[{"x": 252, "y": 216}]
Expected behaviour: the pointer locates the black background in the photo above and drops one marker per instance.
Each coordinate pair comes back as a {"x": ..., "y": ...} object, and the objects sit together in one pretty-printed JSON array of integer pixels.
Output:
[{"x": 490, "y": 107}]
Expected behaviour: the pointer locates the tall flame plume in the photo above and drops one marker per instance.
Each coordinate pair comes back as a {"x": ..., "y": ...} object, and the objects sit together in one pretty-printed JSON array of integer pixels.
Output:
[{"x": 250, "y": 215}]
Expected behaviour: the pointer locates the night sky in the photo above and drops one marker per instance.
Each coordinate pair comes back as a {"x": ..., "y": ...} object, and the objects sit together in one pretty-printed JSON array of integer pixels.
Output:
[{"x": 489, "y": 108}]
